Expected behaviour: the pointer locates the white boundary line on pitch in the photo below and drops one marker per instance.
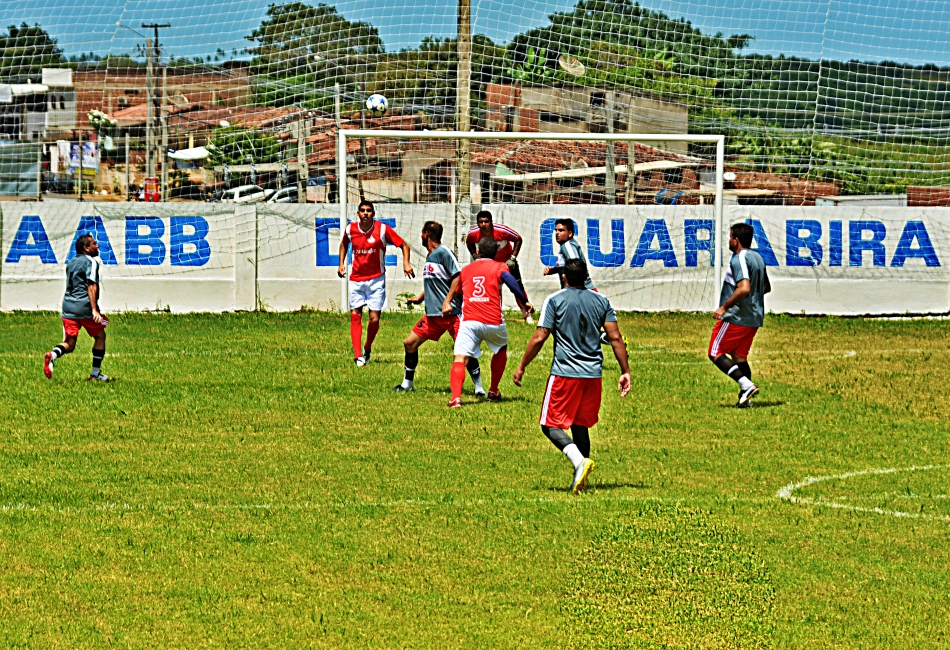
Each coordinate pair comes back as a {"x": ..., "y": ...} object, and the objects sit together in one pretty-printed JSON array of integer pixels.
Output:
[{"x": 787, "y": 492}]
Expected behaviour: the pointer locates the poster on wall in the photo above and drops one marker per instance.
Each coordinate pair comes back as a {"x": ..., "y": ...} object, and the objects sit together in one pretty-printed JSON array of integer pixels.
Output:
[{"x": 90, "y": 159}]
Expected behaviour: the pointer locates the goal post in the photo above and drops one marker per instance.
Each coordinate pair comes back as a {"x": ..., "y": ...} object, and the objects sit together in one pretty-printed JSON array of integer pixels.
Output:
[{"x": 715, "y": 243}]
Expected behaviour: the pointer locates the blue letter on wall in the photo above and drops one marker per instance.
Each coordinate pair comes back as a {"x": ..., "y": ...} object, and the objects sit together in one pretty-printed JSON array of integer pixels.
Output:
[
  {"x": 694, "y": 244},
  {"x": 655, "y": 228},
  {"x": 835, "y": 243},
  {"x": 135, "y": 241},
  {"x": 324, "y": 225},
  {"x": 915, "y": 230},
  {"x": 617, "y": 253},
  {"x": 197, "y": 237},
  {"x": 857, "y": 244},
  {"x": 795, "y": 242},
  {"x": 31, "y": 228},
  {"x": 548, "y": 256},
  {"x": 92, "y": 225},
  {"x": 761, "y": 241}
]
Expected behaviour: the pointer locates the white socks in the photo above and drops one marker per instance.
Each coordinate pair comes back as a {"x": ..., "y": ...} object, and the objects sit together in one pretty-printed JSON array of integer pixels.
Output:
[
  {"x": 574, "y": 455},
  {"x": 745, "y": 383},
  {"x": 478, "y": 384},
  {"x": 407, "y": 384}
]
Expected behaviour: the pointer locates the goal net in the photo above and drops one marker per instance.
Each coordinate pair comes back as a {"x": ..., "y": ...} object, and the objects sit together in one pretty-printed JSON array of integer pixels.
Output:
[{"x": 646, "y": 208}]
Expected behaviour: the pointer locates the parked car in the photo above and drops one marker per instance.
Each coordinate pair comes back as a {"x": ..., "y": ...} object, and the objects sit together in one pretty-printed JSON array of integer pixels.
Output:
[
  {"x": 286, "y": 194},
  {"x": 246, "y": 194}
]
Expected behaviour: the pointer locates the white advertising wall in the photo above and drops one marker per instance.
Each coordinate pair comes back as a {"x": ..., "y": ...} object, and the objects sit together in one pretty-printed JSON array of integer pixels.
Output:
[{"x": 219, "y": 257}]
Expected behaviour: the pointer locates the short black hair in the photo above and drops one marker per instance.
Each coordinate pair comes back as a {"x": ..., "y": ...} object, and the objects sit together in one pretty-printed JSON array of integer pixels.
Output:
[
  {"x": 365, "y": 202},
  {"x": 487, "y": 247},
  {"x": 575, "y": 273},
  {"x": 81, "y": 242},
  {"x": 567, "y": 223},
  {"x": 743, "y": 232},
  {"x": 483, "y": 214},
  {"x": 434, "y": 230}
]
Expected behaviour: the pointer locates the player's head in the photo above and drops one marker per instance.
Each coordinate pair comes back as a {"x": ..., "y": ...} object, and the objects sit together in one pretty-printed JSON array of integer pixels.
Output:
[
  {"x": 563, "y": 230},
  {"x": 487, "y": 247},
  {"x": 740, "y": 233},
  {"x": 575, "y": 273},
  {"x": 431, "y": 231},
  {"x": 365, "y": 210},
  {"x": 87, "y": 245},
  {"x": 484, "y": 221}
]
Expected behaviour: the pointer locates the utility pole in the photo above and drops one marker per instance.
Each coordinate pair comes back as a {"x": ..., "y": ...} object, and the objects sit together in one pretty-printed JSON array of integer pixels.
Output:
[
  {"x": 610, "y": 180},
  {"x": 163, "y": 121},
  {"x": 463, "y": 103},
  {"x": 128, "y": 169},
  {"x": 149, "y": 106},
  {"x": 154, "y": 58},
  {"x": 80, "y": 164}
]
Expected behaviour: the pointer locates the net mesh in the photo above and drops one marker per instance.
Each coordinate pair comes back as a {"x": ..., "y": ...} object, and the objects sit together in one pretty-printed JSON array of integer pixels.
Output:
[{"x": 848, "y": 93}]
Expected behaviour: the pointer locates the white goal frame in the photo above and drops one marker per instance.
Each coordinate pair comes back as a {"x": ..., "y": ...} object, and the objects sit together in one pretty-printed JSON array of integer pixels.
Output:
[{"x": 719, "y": 140}]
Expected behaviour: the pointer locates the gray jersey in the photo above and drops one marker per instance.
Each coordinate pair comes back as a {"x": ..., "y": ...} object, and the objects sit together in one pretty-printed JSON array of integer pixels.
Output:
[
  {"x": 441, "y": 266},
  {"x": 81, "y": 271},
  {"x": 571, "y": 250},
  {"x": 575, "y": 317},
  {"x": 745, "y": 265}
]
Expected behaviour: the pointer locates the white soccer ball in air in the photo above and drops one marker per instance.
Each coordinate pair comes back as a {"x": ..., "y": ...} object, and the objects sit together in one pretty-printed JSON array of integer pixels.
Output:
[{"x": 377, "y": 105}]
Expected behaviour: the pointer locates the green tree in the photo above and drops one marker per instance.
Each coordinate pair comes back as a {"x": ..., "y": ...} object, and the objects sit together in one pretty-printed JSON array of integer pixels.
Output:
[
  {"x": 26, "y": 50},
  {"x": 232, "y": 145},
  {"x": 299, "y": 47}
]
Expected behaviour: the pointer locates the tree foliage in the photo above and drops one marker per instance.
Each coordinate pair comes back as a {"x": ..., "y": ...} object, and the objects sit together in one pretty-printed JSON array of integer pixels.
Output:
[
  {"x": 239, "y": 145},
  {"x": 26, "y": 50}
]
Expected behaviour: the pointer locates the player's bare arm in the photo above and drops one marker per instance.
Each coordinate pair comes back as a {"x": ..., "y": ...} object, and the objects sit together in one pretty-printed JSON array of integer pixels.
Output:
[
  {"x": 516, "y": 246},
  {"x": 344, "y": 244},
  {"x": 406, "y": 267},
  {"x": 470, "y": 245},
  {"x": 620, "y": 352},
  {"x": 417, "y": 300},
  {"x": 534, "y": 346},
  {"x": 93, "y": 291},
  {"x": 450, "y": 296},
  {"x": 741, "y": 293}
]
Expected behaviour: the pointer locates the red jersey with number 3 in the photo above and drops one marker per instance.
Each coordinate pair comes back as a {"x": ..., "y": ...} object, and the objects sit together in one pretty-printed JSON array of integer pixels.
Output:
[
  {"x": 369, "y": 249},
  {"x": 480, "y": 283}
]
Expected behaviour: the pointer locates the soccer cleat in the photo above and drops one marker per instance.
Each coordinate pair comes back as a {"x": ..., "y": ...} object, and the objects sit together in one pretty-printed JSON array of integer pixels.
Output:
[
  {"x": 48, "y": 365},
  {"x": 580, "y": 476},
  {"x": 529, "y": 320},
  {"x": 455, "y": 403},
  {"x": 99, "y": 377},
  {"x": 480, "y": 392},
  {"x": 360, "y": 362},
  {"x": 366, "y": 355},
  {"x": 402, "y": 389},
  {"x": 493, "y": 396},
  {"x": 744, "y": 405},
  {"x": 746, "y": 395}
]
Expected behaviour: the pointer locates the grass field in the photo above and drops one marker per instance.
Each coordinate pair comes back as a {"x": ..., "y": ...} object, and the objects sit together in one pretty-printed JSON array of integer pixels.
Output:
[{"x": 242, "y": 484}]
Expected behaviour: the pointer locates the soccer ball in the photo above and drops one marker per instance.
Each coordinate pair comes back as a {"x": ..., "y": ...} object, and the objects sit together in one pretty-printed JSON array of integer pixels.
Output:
[{"x": 377, "y": 105}]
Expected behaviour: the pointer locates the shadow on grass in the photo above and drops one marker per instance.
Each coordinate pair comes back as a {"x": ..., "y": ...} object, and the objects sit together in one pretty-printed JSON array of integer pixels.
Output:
[
  {"x": 595, "y": 487},
  {"x": 756, "y": 405}
]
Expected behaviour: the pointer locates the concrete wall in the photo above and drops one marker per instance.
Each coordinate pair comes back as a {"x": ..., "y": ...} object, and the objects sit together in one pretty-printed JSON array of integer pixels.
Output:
[{"x": 215, "y": 257}]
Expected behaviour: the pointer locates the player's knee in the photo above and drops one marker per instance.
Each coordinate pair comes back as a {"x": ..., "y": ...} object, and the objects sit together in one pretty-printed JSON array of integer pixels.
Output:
[
  {"x": 410, "y": 345},
  {"x": 713, "y": 358},
  {"x": 374, "y": 317}
]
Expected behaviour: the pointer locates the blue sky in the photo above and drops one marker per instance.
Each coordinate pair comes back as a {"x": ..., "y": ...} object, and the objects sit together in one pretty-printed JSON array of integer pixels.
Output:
[{"x": 912, "y": 31}]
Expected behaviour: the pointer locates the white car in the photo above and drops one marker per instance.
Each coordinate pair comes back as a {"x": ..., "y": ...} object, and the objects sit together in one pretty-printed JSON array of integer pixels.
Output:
[
  {"x": 286, "y": 194},
  {"x": 246, "y": 194}
]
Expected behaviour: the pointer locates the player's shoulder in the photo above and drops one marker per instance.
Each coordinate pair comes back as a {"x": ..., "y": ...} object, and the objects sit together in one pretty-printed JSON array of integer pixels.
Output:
[
  {"x": 753, "y": 258},
  {"x": 473, "y": 233},
  {"x": 505, "y": 230}
]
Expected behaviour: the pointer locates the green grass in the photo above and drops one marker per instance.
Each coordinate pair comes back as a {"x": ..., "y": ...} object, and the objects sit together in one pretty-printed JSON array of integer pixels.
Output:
[{"x": 242, "y": 484}]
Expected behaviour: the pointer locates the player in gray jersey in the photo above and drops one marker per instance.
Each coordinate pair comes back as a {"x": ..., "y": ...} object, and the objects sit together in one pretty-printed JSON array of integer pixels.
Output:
[
  {"x": 570, "y": 250},
  {"x": 440, "y": 275},
  {"x": 741, "y": 312},
  {"x": 81, "y": 308},
  {"x": 575, "y": 316}
]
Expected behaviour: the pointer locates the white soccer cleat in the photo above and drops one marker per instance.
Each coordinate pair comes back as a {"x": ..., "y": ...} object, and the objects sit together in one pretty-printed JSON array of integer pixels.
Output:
[
  {"x": 746, "y": 395},
  {"x": 529, "y": 320},
  {"x": 360, "y": 362},
  {"x": 580, "y": 476},
  {"x": 480, "y": 392},
  {"x": 99, "y": 377}
]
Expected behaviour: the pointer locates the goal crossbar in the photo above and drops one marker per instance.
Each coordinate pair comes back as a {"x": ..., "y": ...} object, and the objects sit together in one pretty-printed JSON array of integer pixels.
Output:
[{"x": 718, "y": 140}]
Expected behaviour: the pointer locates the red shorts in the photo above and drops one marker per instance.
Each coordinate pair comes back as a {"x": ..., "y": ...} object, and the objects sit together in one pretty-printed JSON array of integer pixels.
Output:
[
  {"x": 431, "y": 328},
  {"x": 569, "y": 400},
  {"x": 729, "y": 338},
  {"x": 71, "y": 327}
]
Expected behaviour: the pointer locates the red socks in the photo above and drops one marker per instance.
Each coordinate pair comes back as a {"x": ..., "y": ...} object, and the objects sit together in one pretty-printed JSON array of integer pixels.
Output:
[
  {"x": 371, "y": 328},
  {"x": 457, "y": 379},
  {"x": 356, "y": 333},
  {"x": 498, "y": 363}
]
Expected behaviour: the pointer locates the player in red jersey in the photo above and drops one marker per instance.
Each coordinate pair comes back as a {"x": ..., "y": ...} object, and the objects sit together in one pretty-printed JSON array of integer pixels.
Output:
[
  {"x": 509, "y": 245},
  {"x": 482, "y": 318},
  {"x": 368, "y": 277}
]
